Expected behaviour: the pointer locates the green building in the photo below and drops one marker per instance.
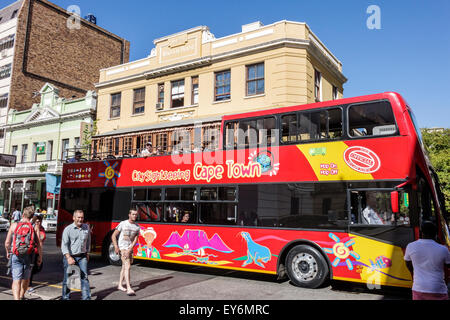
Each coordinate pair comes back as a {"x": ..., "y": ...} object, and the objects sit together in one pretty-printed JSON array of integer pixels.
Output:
[{"x": 42, "y": 138}]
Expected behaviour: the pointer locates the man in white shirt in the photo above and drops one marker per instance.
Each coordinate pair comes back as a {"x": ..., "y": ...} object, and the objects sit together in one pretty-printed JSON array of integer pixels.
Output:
[
  {"x": 426, "y": 260},
  {"x": 147, "y": 151},
  {"x": 370, "y": 216},
  {"x": 128, "y": 231}
]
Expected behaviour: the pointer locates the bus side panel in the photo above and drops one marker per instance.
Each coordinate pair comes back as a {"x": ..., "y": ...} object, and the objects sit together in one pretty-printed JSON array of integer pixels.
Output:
[{"x": 353, "y": 258}]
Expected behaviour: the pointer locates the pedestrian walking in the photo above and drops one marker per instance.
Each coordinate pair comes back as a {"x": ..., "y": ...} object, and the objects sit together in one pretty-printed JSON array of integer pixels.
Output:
[
  {"x": 25, "y": 245},
  {"x": 128, "y": 232},
  {"x": 17, "y": 215},
  {"x": 426, "y": 260},
  {"x": 75, "y": 247},
  {"x": 40, "y": 231}
]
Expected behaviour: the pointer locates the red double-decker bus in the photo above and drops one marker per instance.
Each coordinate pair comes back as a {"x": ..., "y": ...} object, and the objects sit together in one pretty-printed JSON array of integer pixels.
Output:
[{"x": 330, "y": 190}]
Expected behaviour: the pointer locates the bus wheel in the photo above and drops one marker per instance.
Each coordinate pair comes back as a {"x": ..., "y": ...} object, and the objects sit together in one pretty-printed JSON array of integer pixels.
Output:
[
  {"x": 306, "y": 267},
  {"x": 110, "y": 254}
]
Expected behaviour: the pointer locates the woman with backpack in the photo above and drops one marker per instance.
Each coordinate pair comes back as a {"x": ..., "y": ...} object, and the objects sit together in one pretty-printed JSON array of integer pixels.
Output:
[
  {"x": 39, "y": 229},
  {"x": 25, "y": 243}
]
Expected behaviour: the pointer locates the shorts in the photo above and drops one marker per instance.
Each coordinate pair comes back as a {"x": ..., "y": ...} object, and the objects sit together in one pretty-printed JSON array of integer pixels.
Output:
[
  {"x": 21, "y": 267},
  {"x": 417, "y": 295}
]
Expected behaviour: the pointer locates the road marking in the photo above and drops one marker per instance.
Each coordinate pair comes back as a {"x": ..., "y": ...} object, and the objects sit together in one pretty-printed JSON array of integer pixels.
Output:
[{"x": 44, "y": 284}]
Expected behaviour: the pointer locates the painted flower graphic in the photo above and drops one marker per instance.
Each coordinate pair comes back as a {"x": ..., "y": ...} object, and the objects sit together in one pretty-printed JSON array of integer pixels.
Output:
[
  {"x": 342, "y": 251},
  {"x": 110, "y": 173}
]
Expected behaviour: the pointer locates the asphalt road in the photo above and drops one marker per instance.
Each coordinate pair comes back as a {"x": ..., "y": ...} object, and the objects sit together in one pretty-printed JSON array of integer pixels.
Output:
[{"x": 163, "y": 281}]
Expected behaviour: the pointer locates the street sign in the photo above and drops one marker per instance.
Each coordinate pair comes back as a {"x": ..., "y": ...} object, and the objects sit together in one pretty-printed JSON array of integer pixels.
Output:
[{"x": 7, "y": 160}]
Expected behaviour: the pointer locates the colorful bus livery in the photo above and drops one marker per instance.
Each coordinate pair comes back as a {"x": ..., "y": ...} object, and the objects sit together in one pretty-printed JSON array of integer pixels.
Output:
[{"x": 328, "y": 190}]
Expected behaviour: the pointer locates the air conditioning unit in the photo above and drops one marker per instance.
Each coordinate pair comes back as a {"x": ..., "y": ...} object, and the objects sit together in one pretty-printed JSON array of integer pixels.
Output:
[{"x": 159, "y": 106}]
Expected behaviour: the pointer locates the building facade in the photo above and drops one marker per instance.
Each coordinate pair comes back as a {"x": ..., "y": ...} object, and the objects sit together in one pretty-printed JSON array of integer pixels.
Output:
[
  {"x": 8, "y": 28},
  {"x": 42, "y": 138},
  {"x": 177, "y": 95},
  {"x": 44, "y": 45}
]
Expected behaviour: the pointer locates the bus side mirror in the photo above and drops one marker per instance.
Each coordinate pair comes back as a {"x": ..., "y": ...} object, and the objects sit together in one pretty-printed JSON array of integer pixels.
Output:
[{"x": 394, "y": 201}]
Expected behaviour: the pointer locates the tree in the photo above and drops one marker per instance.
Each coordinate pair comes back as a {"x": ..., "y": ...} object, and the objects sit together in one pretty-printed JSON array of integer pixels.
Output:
[{"x": 437, "y": 144}]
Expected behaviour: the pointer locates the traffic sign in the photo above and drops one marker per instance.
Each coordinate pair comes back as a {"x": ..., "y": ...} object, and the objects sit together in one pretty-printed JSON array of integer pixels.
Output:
[{"x": 7, "y": 160}]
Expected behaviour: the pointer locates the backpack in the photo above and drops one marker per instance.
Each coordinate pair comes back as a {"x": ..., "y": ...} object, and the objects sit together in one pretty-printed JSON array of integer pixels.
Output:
[{"x": 23, "y": 243}]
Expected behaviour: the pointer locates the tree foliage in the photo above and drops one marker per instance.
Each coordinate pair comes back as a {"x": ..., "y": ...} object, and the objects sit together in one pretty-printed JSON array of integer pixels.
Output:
[{"x": 437, "y": 144}]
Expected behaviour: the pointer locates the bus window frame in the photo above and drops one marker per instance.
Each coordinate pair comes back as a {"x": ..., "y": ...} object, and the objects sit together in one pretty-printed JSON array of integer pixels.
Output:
[
  {"x": 387, "y": 190},
  {"x": 236, "y": 145},
  {"x": 347, "y": 121},
  {"x": 328, "y": 139}
]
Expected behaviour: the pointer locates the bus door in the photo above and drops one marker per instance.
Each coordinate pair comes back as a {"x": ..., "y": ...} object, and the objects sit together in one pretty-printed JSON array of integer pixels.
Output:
[{"x": 371, "y": 215}]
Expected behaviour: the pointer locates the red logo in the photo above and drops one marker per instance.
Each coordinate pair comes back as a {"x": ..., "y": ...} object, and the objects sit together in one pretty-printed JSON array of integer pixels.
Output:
[{"x": 362, "y": 159}]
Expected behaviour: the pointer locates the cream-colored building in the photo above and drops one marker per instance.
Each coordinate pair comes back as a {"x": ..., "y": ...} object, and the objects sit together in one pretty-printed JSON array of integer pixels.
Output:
[{"x": 190, "y": 79}]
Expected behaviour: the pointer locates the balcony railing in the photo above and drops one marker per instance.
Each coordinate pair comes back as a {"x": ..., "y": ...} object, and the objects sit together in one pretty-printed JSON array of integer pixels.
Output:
[{"x": 31, "y": 168}]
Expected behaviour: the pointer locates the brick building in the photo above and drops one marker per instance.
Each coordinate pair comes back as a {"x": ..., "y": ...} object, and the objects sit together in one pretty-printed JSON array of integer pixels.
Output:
[{"x": 44, "y": 47}]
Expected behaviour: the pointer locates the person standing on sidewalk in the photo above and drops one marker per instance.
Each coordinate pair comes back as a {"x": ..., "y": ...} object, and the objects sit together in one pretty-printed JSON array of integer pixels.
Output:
[
  {"x": 24, "y": 243},
  {"x": 39, "y": 229},
  {"x": 426, "y": 260},
  {"x": 128, "y": 232},
  {"x": 75, "y": 247}
]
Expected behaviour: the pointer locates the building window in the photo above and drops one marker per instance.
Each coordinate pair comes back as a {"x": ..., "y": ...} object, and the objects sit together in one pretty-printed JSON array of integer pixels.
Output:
[
  {"x": 222, "y": 88},
  {"x": 255, "y": 79},
  {"x": 5, "y": 71},
  {"x": 194, "y": 92},
  {"x": 317, "y": 85},
  {"x": 139, "y": 101},
  {"x": 161, "y": 95},
  {"x": 23, "y": 158},
  {"x": 14, "y": 150},
  {"x": 14, "y": 14},
  {"x": 335, "y": 93},
  {"x": 3, "y": 101},
  {"x": 34, "y": 152},
  {"x": 65, "y": 149},
  {"x": 115, "y": 105},
  {"x": 161, "y": 141},
  {"x": 177, "y": 93},
  {"x": 49, "y": 150},
  {"x": 7, "y": 42}
]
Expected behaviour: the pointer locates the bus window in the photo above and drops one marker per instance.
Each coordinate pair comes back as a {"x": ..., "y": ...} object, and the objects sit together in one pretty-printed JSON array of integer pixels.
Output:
[
  {"x": 304, "y": 127},
  {"x": 247, "y": 136},
  {"x": 373, "y": 207},
  {"x": 289, "y": 128},
  {"x": 140, "y": 194},
  {"x": 218, "y": 213},
  {"x": 208, "y": 193},
  {"x": 148, "y": 212},
  {"x": 231, "y": 135},
  {"x": 154, "y": 194},
  {"x": 188, "y": 194},
  {"x": 180, "y": 212},
  {"x": 334, "y": 123},
  {"x": 266, "y": 131},
  {"x": 371, "y": 119},
  {"x": 173, "y": 194}
]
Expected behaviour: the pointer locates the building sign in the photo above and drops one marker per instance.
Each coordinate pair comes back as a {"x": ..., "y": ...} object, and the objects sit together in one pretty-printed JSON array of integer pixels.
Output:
[
  {"x": 31, "y": 195},
  {"x": 51, "y": 196},
  {"x": 40, "y": 148},
  {"x": 7, "y": 160}
]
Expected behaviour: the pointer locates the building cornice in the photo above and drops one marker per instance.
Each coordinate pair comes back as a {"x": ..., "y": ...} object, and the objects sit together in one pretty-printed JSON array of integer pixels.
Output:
[
  {"x": 313, "y": 46},
  {"x": 69, "y": 116}
]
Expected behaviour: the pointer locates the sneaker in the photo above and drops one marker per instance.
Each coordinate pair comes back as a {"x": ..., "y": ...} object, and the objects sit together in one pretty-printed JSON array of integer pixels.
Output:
[{"x": 30, "y": 290}]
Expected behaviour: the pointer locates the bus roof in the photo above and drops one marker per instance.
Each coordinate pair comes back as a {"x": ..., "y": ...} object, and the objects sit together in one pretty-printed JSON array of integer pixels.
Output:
[{"x": 324, "y": 104}]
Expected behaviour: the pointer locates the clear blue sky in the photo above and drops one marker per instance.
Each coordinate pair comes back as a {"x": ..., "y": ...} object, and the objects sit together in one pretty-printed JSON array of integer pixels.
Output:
[{"x": 410, "y": 54}]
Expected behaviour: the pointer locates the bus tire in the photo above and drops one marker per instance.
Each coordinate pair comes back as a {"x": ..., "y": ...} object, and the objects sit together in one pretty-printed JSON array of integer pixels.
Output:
[
  {"x": 306, "y": 267},
  {"x": 109, "y": 253}
]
